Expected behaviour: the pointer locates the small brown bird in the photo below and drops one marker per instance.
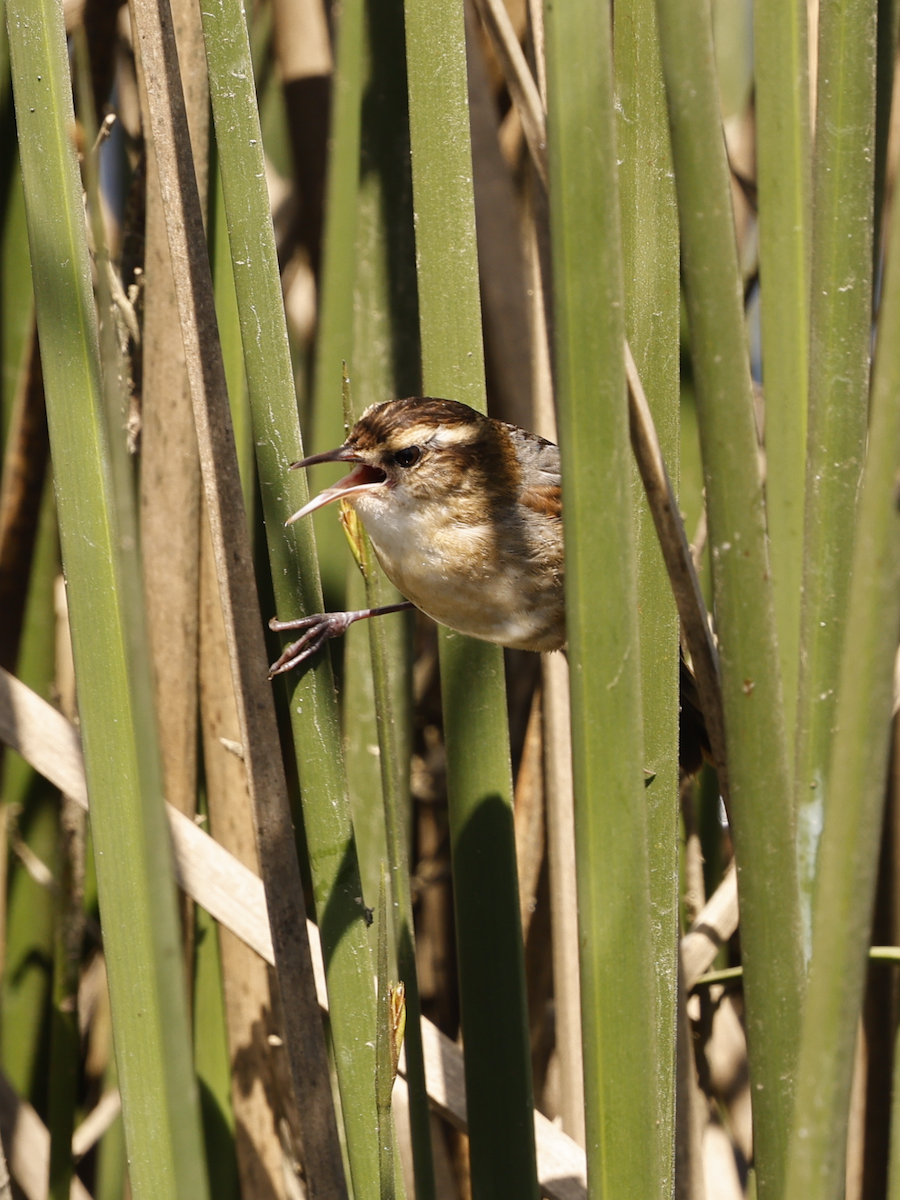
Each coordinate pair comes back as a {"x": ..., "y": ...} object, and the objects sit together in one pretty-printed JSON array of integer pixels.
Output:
[{"x": 464, "y": 513}]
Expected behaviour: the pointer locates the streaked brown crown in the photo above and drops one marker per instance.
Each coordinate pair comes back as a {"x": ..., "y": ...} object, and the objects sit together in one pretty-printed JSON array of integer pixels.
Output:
[
  {"x": 463, "y": 452},
  {"x": 388, "y": 424}
]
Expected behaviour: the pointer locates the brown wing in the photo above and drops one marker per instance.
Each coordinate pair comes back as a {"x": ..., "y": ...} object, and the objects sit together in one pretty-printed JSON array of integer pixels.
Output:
[{"x": 540, "y": 487}]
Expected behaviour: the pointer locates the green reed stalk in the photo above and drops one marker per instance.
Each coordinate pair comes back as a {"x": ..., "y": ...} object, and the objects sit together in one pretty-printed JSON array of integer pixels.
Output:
[
  {"x": 65, "y": 1041},
  {"x": 15, "y": 284},
  {"x": 652, "y": 295},
  {"x": 395, "y": 795},
  {"x": 848, "y": 855},
  {"x": 334, "y": 339},
  {"x": 783, "y": 175},
  {"x": 361, "y": 740},
  {"x": 384, "y": 1074},
  {"x": 212, "y": 1061},
  {"x": 314, "y": 717},
  {"x": 618, "y": 991},
  {"x": 386, "y": 363},
  {"x": 762, "y": 818},
  {"x": 131, "y": 837},
  {"x": 840, "y": 335},
  {"x": 229, "y": 324},
  {"x": 29, "y": 804},
  {"x": 488, "y": 927}
]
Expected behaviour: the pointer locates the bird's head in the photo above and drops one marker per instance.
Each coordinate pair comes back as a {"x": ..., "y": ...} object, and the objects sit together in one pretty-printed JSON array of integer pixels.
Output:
[{"x": 421, "y": 450}]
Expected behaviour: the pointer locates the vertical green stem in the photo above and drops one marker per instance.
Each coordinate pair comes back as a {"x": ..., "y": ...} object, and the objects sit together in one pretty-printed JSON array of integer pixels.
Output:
[
  {"x": 334, "y": 339},
  {"x": 131, "y": 837},
  {"x": 489, "y": 938},
  {"x": 334, "y": 343},
  {"x": 840, "y": 334},
  {"x": 848, "y": 856},
  {"x": 230, "y": 333},
  {"x": 401, "y": 892},
  {"x": 386, "y": 363},
  {"x": 64, "y": 1037},
  {"x": 313, "y": 710},
  {"x": 617, "y": 986},
  {"x": 384, "y": 1075},
  {"x": 783, "y": 173},
  {"x": 650, "y": 260},
  {"x": 762, "y": 818}
]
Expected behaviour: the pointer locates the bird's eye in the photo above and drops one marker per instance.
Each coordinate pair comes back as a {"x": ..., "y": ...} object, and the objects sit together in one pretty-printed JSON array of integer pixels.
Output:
[{"x": 407, "y": 456}]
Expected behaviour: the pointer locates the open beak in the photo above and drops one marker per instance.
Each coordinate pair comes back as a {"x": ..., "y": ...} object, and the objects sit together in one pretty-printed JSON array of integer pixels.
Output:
[{"x": 361, "y": 479}]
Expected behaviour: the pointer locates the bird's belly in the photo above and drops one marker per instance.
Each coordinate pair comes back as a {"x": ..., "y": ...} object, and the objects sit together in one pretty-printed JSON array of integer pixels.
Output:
[
  {"x": 500, "y": 608},
  {"x": 455, "y": 575}
]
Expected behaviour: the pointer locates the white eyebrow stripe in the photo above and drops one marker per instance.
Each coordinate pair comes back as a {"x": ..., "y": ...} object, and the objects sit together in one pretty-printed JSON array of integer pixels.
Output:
[{"x": 452, "y": 435}]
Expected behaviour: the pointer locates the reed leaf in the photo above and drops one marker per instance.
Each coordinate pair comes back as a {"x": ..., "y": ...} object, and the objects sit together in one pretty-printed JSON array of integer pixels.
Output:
[
  {"x": 230, "y": 334},
  {"x": 840, "y": 334},
  {"x": 334, "y": 340},
  {"x": 783, "y": 177},
  {"x": 30, "y": 808},
  {"x": 314, "y": 718},
  {"x": 617, "y": 987},
  {"x": 384, "y": 1071},
  {"x": 652, "y": 295},
  {"x": 212, "y": 1062},
  {"x": 848, "y": 855},
  {"x": 131, "y": 839},
  {"x": 386, "y": 363},
  {"x": 489, "y": 936},
  {"x": 762, "y": 818},
  {"x": 15, "y": 288}
]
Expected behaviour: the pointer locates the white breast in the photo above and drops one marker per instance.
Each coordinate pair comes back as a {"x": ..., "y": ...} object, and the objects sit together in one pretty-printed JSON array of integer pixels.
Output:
[{"x": 453, "y": 573}]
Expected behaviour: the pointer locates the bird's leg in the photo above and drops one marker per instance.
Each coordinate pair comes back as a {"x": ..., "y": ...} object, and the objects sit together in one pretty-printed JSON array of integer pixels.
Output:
[{"x": 320, "y": 628}]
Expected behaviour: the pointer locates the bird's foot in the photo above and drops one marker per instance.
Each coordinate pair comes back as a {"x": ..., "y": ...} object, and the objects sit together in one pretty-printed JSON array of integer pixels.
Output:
[{"x": 317, "y": 630}]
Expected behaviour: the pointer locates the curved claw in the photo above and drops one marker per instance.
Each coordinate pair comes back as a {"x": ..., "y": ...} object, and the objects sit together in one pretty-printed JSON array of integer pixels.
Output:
[{"x": 319, "y": 629}]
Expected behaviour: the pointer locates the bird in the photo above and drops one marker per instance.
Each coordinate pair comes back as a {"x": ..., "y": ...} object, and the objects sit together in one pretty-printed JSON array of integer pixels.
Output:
[{"x": 464, "y": 513}]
